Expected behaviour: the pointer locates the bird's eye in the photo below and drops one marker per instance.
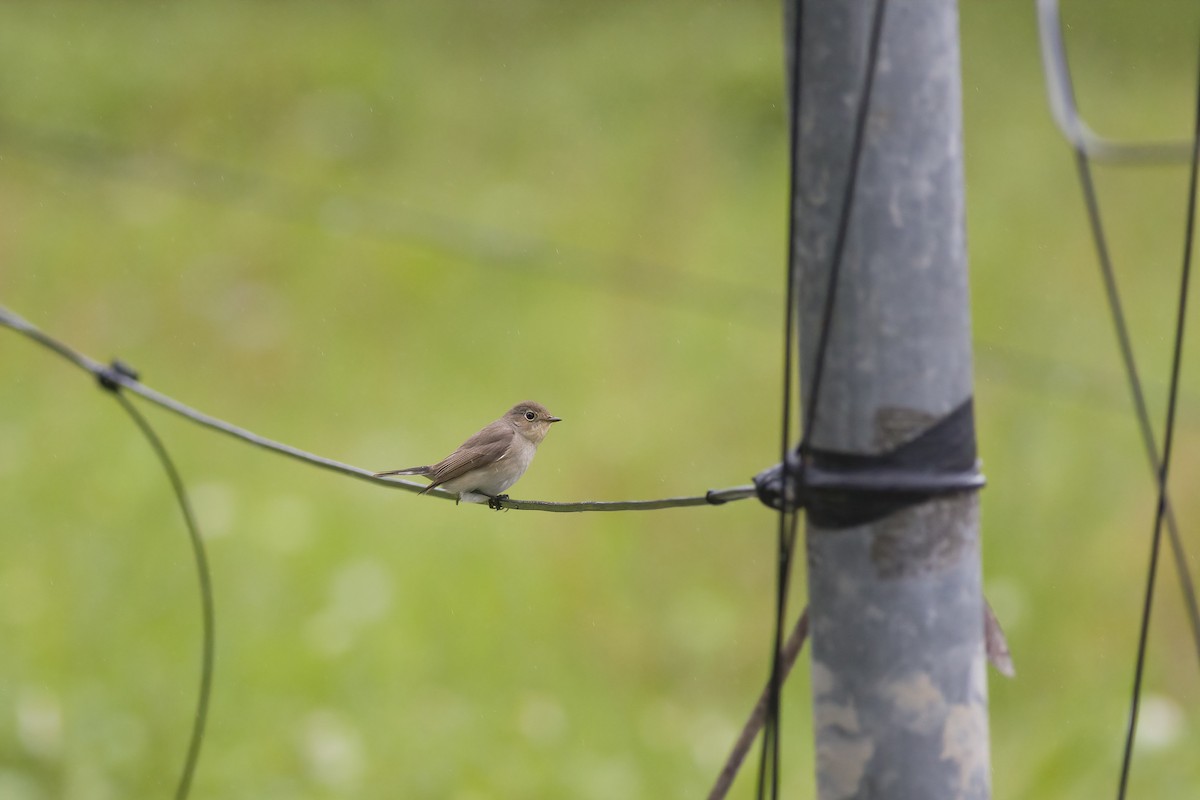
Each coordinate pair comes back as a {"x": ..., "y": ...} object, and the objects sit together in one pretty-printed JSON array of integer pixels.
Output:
[{"x": 529, "y": 415}]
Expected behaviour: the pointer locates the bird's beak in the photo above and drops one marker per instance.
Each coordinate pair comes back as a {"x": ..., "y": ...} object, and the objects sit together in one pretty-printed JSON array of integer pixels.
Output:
[{"x": 553, "y": 419}]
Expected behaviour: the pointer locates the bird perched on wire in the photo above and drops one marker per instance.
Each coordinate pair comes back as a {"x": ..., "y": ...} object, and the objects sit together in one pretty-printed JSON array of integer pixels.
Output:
[{"x": 485, "y": 465}]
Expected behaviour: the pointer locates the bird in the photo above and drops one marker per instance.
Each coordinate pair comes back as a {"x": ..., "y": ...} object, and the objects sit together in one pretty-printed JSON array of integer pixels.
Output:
[{"x": 492, "y": 460}]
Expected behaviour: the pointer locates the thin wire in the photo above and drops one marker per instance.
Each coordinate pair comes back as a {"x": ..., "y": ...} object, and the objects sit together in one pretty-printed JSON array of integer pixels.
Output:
[
  {"x": 206, "y": 597},
  {"x": 8, "y": 319},
  {"x": 758, "y": 715},
  {"x": 713, "y": 497},
  {"x": 1168, "y": 442},
  {"x": 769, "y": 766},
  {"x": 787, "y": 543},
  {"x": 1063, "y": 87},
  {"x": 787, "y": 528},
  {"x": 839, "y": 243}
]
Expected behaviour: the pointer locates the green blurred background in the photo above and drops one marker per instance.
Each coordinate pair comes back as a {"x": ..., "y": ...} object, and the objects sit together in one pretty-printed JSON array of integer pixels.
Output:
[{"x": 366, "y": 230}]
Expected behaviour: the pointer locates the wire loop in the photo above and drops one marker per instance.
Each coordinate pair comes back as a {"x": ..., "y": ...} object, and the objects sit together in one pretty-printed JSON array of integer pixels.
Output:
[{"x": 1066, "y": 114}]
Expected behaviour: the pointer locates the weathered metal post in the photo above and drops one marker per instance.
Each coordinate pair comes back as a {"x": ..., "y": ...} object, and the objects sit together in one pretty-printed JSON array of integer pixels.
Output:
[{"x": 895, "y": 602}]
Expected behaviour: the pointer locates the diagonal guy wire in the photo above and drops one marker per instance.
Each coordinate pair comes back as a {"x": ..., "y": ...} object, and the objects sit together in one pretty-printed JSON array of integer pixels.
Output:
[{"x": 11, "y": 320}]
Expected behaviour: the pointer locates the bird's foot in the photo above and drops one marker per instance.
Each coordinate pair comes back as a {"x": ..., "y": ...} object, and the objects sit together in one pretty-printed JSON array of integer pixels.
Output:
[{"x": 494, "y": 503}]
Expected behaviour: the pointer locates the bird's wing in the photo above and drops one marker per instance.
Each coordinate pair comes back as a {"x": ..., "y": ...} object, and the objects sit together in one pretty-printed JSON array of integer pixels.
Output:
[{"x": 486, "y": 447}]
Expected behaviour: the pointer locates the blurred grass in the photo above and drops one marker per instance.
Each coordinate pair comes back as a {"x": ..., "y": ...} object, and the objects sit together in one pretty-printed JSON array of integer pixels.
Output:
[{"x": 368, "y": 229}]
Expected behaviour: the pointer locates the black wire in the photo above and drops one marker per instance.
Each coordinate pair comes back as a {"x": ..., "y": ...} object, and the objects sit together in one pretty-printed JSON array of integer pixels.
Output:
[
  {"x": 1168, "y": 442},
  {"x": 206, "y": 597},
  {"x": 768, "y": 767},
  {"x": 839, "y": 243},
  {"x": 1064, "y": 87},
  {"x": 788, "y": 523},
  {"x": 1133, "y": 377},
  {"x": 769, "y": 778}
]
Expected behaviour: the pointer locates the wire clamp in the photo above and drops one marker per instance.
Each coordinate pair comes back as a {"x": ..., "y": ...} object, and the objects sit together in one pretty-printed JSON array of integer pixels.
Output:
[
  {"x": 714, "y": 499},
  {"x": 842, "y": 490},
  {"x": 114, "y": 375}
]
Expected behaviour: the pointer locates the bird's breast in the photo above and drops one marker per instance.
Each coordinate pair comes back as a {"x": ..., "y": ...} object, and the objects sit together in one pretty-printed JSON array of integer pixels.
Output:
[{"x": 502, "y": 473}]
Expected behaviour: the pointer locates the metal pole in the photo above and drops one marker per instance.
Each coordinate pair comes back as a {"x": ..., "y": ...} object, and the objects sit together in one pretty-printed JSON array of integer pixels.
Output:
[{"x": 895, "y": 605}]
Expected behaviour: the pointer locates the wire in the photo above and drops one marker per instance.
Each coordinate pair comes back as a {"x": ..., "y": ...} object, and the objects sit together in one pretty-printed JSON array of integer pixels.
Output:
[
  {"x": 1076, "y": 132},
  {"x": 208, "y": 616},
  {"x": 1066, "y": 114},
  {"x": 839, "y": 243},
  {"x": 116, "y": 379},
  {"x": 768, "y": 766},
  {"x": 758, "y": 715},
  {"x": 1168, "y": 442},
  {"x": 769, "y": 773},
  {"x": 1062, "y": 88},
  {"x": 713, "y": 497}
]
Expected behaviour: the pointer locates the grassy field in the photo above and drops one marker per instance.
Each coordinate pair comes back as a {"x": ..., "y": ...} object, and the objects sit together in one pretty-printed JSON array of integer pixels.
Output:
[{"x": 367, "y": 230}]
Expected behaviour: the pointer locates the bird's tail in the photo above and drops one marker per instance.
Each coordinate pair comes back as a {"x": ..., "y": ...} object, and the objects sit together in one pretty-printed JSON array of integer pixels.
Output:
[{"x": 409, "y": 471}]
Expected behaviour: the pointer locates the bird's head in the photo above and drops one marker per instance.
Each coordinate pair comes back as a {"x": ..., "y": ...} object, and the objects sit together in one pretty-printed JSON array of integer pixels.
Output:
[{"x": 531, "y": 420}]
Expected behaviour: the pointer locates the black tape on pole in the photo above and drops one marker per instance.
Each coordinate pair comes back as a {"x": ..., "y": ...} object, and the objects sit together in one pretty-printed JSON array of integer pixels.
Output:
[{"x": 843, "y": 490}]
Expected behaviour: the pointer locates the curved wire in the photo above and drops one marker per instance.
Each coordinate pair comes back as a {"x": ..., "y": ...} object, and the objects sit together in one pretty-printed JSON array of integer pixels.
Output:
[
  {"x": 206, "y": 596},
  {"x": 1066, "y": 114},
  {"x": 713, "y": 497}
]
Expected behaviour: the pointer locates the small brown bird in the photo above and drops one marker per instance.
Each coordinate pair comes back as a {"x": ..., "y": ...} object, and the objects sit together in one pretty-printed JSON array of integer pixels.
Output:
[{"x": 491, "y": 460}]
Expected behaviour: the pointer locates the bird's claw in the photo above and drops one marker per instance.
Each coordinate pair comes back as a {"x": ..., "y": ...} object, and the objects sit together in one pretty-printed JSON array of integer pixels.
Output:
[{"x": 494, "y": 503}]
